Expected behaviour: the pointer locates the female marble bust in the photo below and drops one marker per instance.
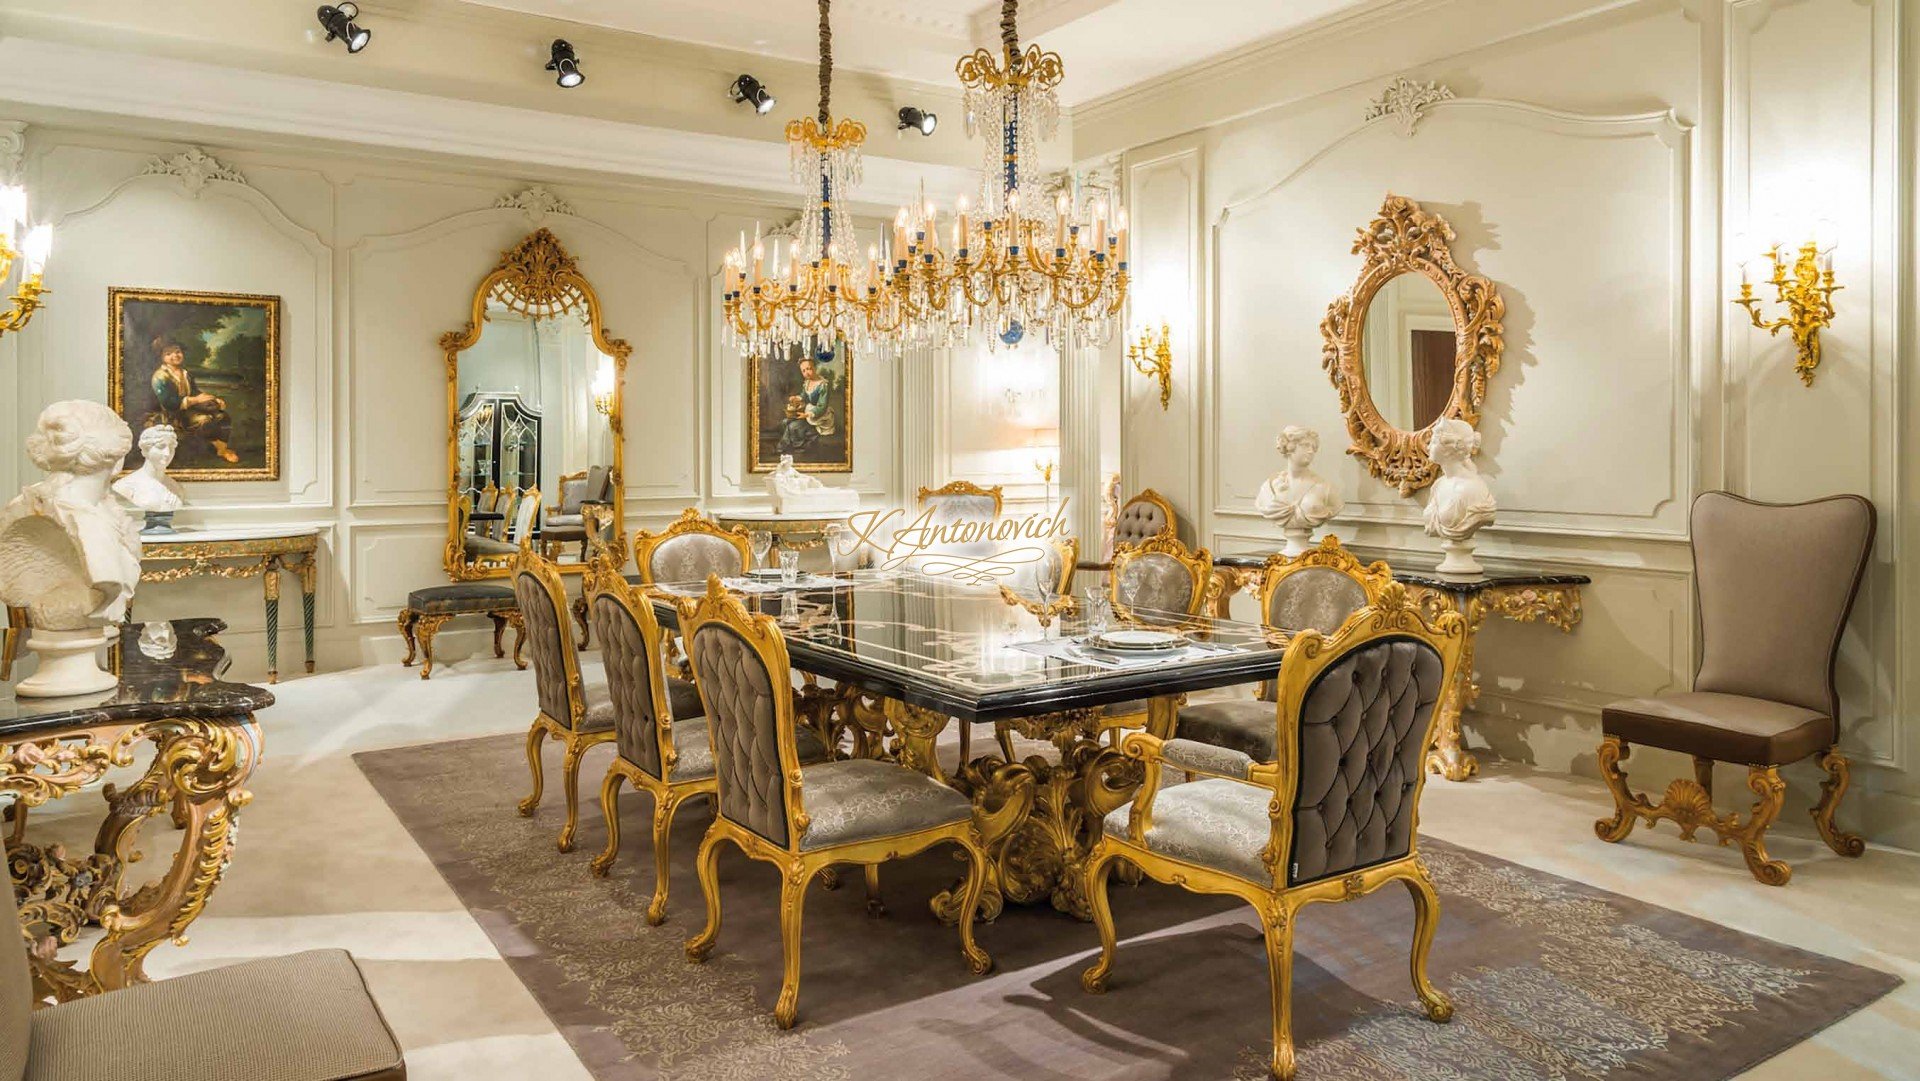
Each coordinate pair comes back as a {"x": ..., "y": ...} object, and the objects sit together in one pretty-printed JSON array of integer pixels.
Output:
[
  {"x": 1460, "y": 502},
  {"x": 148, "y": 487},
  {"x": 1299, "y": 499},
  {"x": 68, "y": 554}
]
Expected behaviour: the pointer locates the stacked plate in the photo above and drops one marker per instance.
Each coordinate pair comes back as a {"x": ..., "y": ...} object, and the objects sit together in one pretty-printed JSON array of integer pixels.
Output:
[{"x": 1132, "y": 640}]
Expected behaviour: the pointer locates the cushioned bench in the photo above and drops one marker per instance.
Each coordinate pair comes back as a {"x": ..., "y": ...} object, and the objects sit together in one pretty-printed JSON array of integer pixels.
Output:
[{"x": 429, "y": 609}]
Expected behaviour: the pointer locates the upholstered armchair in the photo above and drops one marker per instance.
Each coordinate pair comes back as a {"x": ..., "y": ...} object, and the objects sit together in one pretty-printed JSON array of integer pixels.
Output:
[
  {"x": 578, "y": 714},
  {"x": 301, "y": 1017},
  {"x": 804, "y": 818},
  {"x": 1140, "y": 519},
  {"x": 1333, "y": 817},
  {"x": 1159, "y": 581},
  {"x": 1317, "y": 590},
  {"x": 1775, "y": 583},
  {"x": 566, "y": 522}
]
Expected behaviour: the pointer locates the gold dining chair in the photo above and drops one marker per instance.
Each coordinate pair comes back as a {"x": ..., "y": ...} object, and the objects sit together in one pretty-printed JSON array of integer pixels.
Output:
[
  {"x": 1176, "y": 582},
  {"x": 958, "y": 497},
  {"x": 1335, "y": 816},
  {"x": 803, "y": 818},
  {"x": 578, "y": 714},
  {"x": 690, "y": 548},
  {"x": 1146, "y": 516}
]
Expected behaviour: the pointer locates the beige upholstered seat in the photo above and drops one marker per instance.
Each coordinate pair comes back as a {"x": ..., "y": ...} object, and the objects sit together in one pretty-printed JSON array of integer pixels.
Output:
[
  {"x": 1775, "y": 584},
  {"x": 859, "y": 799},
  {"x": 566, "y": 701},
  {"x": 1334, "y": 814},
  {"x": 302, "y": 1017}
]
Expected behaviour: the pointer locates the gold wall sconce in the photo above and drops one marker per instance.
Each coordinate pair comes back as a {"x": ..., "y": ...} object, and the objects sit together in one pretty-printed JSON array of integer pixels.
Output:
[
  {"x": 602, "y": 389},
  {"x": 1806, "y": 289},
  {"x": 1152, "y": 356},
  {"x": 26, "y": 246}
]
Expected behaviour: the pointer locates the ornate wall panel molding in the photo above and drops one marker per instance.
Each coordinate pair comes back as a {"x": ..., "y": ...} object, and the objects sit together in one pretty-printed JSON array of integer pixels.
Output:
[
  {"x": 1405, "y": 102},
  {"x": 537, "y": 202},
  {"x": 195, "y": 169}
]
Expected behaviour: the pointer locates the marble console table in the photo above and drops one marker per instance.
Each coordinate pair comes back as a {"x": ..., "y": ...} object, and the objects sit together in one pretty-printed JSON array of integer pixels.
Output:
[
  {"x": 242, "y": 552},
  {"x": 796, "y": 531},
  {"x": 1518, "y": 591}
]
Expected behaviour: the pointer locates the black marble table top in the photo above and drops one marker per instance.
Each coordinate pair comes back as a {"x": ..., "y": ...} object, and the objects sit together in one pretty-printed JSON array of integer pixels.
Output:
[
  {"x": 951, "y": 648},
  {"x": 1498, "y": 574},
  {"x": 185, "y": 684}
]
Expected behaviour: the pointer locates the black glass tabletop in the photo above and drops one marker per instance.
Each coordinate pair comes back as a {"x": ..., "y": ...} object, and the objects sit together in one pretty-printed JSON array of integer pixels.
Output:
[{"x": 173, "y": 672}]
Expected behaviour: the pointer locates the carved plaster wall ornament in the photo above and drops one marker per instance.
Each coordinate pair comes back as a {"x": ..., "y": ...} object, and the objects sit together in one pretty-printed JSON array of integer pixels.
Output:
[
  {"x": 793, "y": 492},
  {"x": 1406, "y": 102},
  {"x": 148, "y": 487},
  {"x": 13, "y": 149},
  {"x": 194, "y": 168},
  {"x": 68, "y": 554},
  {"x": 1297, "y": 498},
  {"x": 1461, "y": 502},
  {"x": 536, "y": 201}
]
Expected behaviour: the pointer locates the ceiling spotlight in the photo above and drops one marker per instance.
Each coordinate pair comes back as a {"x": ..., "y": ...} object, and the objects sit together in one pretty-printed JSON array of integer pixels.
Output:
[
  {"x": 339, "y": 22},
  {"x": 919, "y": 120},
  {"x": 565, "y": 65},
  {"x": 749, "y": 89}
]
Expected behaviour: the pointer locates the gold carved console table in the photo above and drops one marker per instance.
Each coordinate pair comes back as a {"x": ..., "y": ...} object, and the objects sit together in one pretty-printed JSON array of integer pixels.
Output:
[
  {"x": 1516, "y": 592},
  {"x": 242, "y": 552},
  {"x": 205, "y": 743},
  {"x": 796, "y": 532}
]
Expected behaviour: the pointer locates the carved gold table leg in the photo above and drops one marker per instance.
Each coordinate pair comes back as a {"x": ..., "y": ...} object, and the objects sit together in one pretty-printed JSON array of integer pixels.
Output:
[{"x": 1558, "y": 605}]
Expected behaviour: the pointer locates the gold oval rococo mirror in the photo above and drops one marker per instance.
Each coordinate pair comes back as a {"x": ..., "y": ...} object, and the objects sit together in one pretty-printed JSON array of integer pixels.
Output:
[
  {"x": 1414, "y": 341},
  {"x": 534, "y": 435}
]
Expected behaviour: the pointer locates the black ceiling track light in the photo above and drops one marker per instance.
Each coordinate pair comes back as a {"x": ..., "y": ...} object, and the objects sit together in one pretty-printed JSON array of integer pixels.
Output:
[
  {"x": 565, "y": 65},
  {"x": 340, "y": 22},
  {"x": 751, "y": 91},
  {"x": 918, "y": 120}
]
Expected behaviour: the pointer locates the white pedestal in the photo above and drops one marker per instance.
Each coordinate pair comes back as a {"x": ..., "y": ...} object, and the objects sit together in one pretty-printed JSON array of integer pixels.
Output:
[
  {"x": 69, "y": 664},
  {"x": 1299, "y": 541},
  {"x": 1459, "y": 561}
]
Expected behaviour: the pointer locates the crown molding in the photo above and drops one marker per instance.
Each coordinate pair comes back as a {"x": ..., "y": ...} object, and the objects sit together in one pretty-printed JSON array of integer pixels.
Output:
[{"x": 68, "y": 77}]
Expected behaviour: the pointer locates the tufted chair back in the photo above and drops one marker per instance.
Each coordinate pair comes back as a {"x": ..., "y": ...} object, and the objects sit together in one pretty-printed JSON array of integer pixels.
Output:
[
  {"x": 745, "y": 683},
  {"x": 1144, "y": 517},
  {"x": 1161, "y": 574},
  {"x": 16, "y": 990},
  {"x": 556, "y": 670},
  {"x": 1362, "y": 731},
  {"x": 1776, "y": 582},
  {"x": 689, "y": 550},
  {"x": 629, "y": 638},
  {"x": 590, "y": 484}
]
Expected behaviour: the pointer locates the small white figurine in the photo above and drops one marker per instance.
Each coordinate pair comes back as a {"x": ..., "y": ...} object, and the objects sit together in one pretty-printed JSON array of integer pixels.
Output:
[
  {"x": 1460, "y": 501},
  {"x": 793, "y": 492},
  {"x": 148, "y": 487},
  {"x": 69, "y": 554},
  {"x": 1297, "y": 498}
]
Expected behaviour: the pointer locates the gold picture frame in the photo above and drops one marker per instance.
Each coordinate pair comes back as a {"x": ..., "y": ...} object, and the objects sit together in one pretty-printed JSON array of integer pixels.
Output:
[
  {"x": 834, "y": 453},
  {"x": 229, "y": 429}
]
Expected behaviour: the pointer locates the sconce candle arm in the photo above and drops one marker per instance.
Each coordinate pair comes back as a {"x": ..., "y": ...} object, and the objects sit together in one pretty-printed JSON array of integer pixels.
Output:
[
  {"x": 1806, "y": 289},
  {"x": 1152, "y": 356}
]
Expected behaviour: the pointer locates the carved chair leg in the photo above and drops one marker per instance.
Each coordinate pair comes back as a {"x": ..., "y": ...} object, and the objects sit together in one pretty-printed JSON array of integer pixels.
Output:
[
  {"x": 406, "y": 635},
  {"x": 875, "y": 907},
  {"x": 425, "y": 628},
  {"x": 1614, "y": 751},
  {"x": 1703, "y": 774},
  {"x": 519, "y": 638},
  {"x": 1278, "y": 925},
  {"x": 499, "y": 632},
  {"x": 580, "y": 620},
  {"x": 793, "y": 897},
  {"x": 978, "y": 962},
  {"x": 1831, "y": 791},
  {"x": 535, "y": 737},
  {"x": 1094, "y": 979},
  {"x": 1766, "y": 784},
  {"x": 570, "y": 780},
  {"x": 706, "y": 867},
  {"x": 610, "y": 811},
  {"x": 664, "y": 808},
  {"x": 1426, "y": 920}
]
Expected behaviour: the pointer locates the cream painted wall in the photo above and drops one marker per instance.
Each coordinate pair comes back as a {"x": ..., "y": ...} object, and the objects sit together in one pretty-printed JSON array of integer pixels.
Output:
[
  {"x": 374, "y": 259},
  {"x": 1596, "y": 163}
]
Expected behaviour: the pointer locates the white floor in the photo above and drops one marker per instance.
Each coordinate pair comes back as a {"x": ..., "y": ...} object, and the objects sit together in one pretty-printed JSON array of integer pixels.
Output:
[{"x": 323, "y": 862}]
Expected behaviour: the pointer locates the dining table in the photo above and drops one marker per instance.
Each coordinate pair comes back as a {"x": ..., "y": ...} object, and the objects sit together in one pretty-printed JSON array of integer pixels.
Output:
[{"x": 909, "y": 656}]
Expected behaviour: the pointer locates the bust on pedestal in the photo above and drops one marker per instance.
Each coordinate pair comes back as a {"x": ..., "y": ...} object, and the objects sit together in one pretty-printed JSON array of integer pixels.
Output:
[
  {"x": 1297, "y": 498},
  {"x": 793, "y": 492},
  {"x": 69, "y": 554},
  {"x": 1460, "y": 502},
  {"x": 148, "y": 487}
]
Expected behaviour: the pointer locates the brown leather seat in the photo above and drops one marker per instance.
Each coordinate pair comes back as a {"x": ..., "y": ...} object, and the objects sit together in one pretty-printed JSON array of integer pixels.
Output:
[
  {"x": 1723, "y": 727},
  {"x": 302, "y": 1017}
]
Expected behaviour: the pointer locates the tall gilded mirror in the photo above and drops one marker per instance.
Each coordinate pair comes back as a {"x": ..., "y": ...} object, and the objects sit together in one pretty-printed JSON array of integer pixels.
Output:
[
  {"x": 1415, "y": 340},
  {"x": 534, "y": 437}
]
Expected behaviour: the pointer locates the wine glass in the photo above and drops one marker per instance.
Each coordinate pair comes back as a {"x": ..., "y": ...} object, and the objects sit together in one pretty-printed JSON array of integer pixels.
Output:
[
  {"x": 1098, "y": 612},
  {"x": 762, "y": 542},
  {"x": 1129, "y": 588},
  {"x": 837, "y": 553}
]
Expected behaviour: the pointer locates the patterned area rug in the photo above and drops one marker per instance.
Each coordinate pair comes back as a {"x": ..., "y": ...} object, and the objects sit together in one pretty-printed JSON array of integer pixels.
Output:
[{"x": 1552, "y": 980}]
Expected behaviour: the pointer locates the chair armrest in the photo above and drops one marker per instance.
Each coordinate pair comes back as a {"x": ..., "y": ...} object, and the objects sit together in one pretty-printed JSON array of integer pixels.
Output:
[
  {"x": 1196, "y": 757},
  {"x": 1090, "y": 565}
]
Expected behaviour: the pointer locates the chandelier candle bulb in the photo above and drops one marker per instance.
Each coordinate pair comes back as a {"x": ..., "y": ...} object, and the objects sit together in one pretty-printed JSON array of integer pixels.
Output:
[{"x": 39, "y": 245}]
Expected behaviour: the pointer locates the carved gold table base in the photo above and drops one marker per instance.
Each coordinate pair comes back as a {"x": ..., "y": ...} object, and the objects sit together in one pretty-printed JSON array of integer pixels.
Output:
[
  {"x": 267, "y": 558},
  {"x": 199, "y": 770},
  {"x": 1558, "y": 605}
]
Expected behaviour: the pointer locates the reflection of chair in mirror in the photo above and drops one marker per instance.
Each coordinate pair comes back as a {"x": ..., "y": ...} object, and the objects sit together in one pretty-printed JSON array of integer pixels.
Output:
[
  {"x": 804, "y": 818},
  {"x": 565, "y": 522},
  {"x": 1775, "y": 584},
  {"x": 518, "y": 509},
  {"x": 1334, "y": 817},
  {"x": 577, "y": 713},
  {"x": 1317, "y": 590},
  {"x": 1142, "y": 518}
]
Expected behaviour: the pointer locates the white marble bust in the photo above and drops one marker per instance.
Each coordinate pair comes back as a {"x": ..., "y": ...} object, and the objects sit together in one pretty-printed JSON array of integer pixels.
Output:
[
  {"x": 793, "y": 492},
  {"x": 1297, "y": 498},
  {"x": 69, "y": 554},
  {"x": 148, "y": 487},
  {"x": 1460, "y": 502}
]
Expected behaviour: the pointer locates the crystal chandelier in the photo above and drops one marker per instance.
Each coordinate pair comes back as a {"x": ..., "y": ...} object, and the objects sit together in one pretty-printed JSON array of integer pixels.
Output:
[
  {"x": 32, "y": 251},
  {"x": 817, "y": 297},
  {"x": 1021, "y": 260}
]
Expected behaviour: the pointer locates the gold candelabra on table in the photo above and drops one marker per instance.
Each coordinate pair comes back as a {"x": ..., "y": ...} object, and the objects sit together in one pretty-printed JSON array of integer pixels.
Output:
[
  {"x": 1807, "y": 291},
  {"x": 1152, "y": 356}
]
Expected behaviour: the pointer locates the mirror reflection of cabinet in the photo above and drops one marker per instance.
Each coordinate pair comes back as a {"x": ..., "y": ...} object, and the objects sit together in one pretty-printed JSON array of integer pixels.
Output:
[{"x": 534, "y": 436}]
